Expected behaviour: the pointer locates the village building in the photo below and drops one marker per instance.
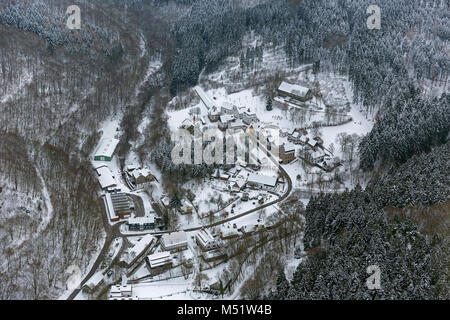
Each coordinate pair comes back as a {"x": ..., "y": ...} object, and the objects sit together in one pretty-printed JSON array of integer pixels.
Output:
[
  {"x": 188, "y": 125},
  {"x": 94, "y": 282},
  {"x": 214, "y": 114},
  {"x": 313, "y": 144},
  {"x": 315, "y": 156},
  {"x": 109, "y": 208},
  {"x": 165, "y": 201},
  {"x": 237, "y": 125},
  {"x": 228, "y": 108},
  {"x": 222, "y": 175},
  {"x": 228, "y": 232},
  {"x": 205, "y": 240},
  {"x": 213, "y": 255},
  {"x": 284, "y": 132},
  {"x": 174, "y": 241},
  {"x": 159, "y": 262},
  {"x": 294, "y": 91},
  {"x": 204, "y": 98},
  {"x": 239, "y": 184},
  {"x": 121, "y": 204},
  {"x": 119, "y": 292},
  {"x": 143, "y": 177},
  {"x": 142, "y": 223},
  {"x": 106, "y": 149},
  {"x": 287, "y": 153},
  {"x": 186, "y": 207},
  {"x": 105, "y": 177},
  {"x": 262, "y": 181},
  {"x": 225, "y": 120},
  {"x": 249, "y": 117}
]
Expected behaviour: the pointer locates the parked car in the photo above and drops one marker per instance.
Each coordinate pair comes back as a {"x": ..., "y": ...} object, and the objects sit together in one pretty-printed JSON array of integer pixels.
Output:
[{"x": 109, "y": 273}]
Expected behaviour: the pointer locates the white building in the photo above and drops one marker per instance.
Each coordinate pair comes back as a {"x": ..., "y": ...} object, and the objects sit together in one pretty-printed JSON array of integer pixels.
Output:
[
  {"x": 142, "y": 223},
  {"x": 228, "y": 232},
  {"x": 262, "y": 181},
  {"x": 205, "y": 240},
  {"x": 105, "y": 150},
  {"x": 109, "y": 208},
  {"x": 174, "y": 241},
  {"x": 95, "y": 281},
  {"x": 295, "y": 91},
  {"x": 249, "y": 117},
  {"x": 228, "y": 108},
  {"x": 120, "y": 291},
  {"x": 140, "y": 246}
]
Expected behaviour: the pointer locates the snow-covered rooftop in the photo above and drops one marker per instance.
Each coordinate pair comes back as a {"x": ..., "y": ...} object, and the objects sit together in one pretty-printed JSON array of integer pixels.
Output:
[
  {"x": 174, "y": 239},
  {"x": 289, "y": 147},
  {"x": 95, "y": 280},
  {"x": 106, "y": 177},
  {"x": 141, "y": 245},
  {"x": 110, "y": 207},
  {"x": 294, "y": 89},
  {"x": 262, "y": 179},
  {"x": 150, "y": 218},
  {"x": 106, "y": 147},
  {"x": 226, "y": 118}
]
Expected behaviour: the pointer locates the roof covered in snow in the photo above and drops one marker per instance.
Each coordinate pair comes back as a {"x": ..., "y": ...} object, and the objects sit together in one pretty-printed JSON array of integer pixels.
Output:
[
  {"x": 141, "y": 245},
  {"x": 159, "y": 259},
  {"x": 294, "y": 89},
  {"x": 107, "y": 147}
]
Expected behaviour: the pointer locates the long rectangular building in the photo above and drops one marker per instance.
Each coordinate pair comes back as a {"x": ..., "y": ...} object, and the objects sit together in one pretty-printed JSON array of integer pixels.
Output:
[{"x": 159, "y": 259}]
